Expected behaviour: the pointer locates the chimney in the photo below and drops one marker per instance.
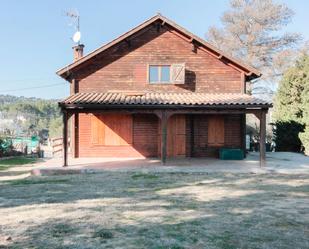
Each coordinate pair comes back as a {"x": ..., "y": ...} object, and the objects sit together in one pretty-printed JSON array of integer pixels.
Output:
[{"x": 78, "y": 51}]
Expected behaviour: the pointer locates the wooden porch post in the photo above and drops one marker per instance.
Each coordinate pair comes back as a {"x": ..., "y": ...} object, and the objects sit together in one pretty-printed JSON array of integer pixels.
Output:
[
  {"x": 164, "y": 119},
  {"x": 262, "y": 138},
  {"x": 191, "y": 135},
  {"x": 65, "y": 137}
]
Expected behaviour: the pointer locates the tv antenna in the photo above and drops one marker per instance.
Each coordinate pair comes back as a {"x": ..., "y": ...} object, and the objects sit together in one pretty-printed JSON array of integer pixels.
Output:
[{"x": 74, "y": 16}]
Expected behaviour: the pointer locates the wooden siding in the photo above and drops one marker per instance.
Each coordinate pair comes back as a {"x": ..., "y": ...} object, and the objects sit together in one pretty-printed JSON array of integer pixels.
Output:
[
  {"x": 198, "y": 141},
  {"x": 216, "y": 130},
  {"x": 182, "y": 140},
  {"x": 145, "y": 133},
  {"x": 124, "y": 67},
  {"x": 145, "y": 138},
  {"x": 111, "y": 129}
]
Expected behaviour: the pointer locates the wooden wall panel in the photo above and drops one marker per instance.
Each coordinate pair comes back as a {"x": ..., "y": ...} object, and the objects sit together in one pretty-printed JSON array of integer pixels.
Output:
[
  {"x": 233, "y": 131},
  {"x": 146, "y": 137},
  {"x": 232, "y": 135},
  {"x": 145, "y": 134},
  {"x": 125, "y": 68},
  {"x": 216, "y": 127},
  {"x": 111, "y": 129},
  {"x": 144, "y": 141}
]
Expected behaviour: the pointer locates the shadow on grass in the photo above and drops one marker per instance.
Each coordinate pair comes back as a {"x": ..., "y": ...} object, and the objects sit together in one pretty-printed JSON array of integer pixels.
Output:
[{"x": 266, "y": 215}]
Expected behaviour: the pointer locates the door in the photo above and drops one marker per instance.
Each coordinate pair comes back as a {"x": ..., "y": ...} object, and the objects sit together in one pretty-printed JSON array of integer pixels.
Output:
[
  {"x": 216, "y": 131},
  {"x": 176, "y": 136}
]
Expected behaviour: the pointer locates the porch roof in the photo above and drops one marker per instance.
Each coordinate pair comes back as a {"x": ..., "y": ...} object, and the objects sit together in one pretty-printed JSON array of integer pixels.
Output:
[{"x": 159, "y": 99}]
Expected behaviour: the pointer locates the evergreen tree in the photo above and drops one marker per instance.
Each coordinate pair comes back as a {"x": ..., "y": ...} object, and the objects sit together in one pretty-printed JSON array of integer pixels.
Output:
[
  {"x": 288, "y": 101},
  {"x": 292, "y": 98},
  {"x": 304, "y": 75}
]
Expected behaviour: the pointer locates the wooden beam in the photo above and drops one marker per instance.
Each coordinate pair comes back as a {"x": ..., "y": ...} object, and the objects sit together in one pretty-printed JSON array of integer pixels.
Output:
[
  {"x": 194, "y": 47},
  {"x": 164, "y": 119},
  {"x": 128, "y": 41},
  {"x": 243, "y": 82},
  {"x": 72, "y": 134},
  {"x": 191, "y": 135},
  {"x": 243, "y": 132},
  {"x": 65, "y": 137},
  {"x": 262, "y": 138},
  {"x": 175, "y": 110},
  {"x": 76, "y": 135},
  {"x": 158, "y": 27}
]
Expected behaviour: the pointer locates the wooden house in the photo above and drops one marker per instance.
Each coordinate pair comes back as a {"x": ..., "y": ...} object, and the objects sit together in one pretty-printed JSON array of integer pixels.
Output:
[{"x": 158, "y": 91}]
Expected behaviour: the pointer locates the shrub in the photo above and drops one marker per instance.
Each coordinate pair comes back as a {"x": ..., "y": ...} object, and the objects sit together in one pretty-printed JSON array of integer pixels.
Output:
[
  {"x": 287, "y": 135},
  {"x": 6, "y": 147},
  {"x": 304, "y": 137}
]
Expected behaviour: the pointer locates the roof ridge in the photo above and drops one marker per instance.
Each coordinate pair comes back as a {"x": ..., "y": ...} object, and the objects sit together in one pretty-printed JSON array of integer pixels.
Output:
[{"x": 144, "y": 24}]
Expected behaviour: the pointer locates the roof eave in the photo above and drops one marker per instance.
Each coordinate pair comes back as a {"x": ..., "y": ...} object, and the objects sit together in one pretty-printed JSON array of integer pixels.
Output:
[{"x": 162, "y": 106}]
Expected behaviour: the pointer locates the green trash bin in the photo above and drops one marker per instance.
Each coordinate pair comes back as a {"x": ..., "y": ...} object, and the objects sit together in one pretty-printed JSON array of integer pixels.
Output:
[{"x": 231, "y": 154}]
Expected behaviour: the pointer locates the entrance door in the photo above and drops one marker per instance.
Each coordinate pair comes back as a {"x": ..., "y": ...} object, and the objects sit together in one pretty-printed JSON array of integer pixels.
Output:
[{"x": 176, "y": 136}]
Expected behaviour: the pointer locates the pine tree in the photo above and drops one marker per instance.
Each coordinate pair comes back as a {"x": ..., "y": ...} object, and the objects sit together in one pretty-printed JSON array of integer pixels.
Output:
[{"x": 252, "y": 30}]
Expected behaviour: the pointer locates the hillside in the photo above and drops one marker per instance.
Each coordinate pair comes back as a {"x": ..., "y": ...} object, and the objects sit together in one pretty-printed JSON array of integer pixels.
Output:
[{"x": 28, "y": 116}]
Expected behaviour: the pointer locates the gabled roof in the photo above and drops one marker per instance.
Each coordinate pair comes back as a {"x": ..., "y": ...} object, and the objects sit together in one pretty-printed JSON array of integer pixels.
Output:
[
  {"x": 250, "y": 71},
  {"x": 156, "y": 99}
]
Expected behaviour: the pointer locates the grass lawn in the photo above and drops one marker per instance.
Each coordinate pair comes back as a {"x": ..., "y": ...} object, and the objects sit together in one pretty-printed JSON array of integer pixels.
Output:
[
  {"x": 16, "y": 161},
  {"x": 156, "y": 210}
]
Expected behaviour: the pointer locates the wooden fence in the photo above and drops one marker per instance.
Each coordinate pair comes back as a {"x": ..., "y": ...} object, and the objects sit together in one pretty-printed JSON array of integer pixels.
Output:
[{"x": 57, "y": 145}]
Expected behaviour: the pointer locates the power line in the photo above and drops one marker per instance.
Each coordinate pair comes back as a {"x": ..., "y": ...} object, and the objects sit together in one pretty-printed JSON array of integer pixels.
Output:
[
  {"x": 26, "y": 79},
  {"x": 33, "y": 87}
]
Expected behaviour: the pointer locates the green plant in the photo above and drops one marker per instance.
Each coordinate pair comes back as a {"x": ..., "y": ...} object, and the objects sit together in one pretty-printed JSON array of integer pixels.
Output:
[{"x": 286, "y": 135}]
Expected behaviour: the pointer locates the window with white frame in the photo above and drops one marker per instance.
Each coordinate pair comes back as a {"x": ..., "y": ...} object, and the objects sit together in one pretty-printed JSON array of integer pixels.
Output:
[
  {"x": 166, "y": 74},
  {"x": 159, "y": 74}
]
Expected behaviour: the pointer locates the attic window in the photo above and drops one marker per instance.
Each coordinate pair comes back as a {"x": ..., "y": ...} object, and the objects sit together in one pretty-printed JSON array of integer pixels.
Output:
[
  {"x": 159, "y": 74},
  {"x": 166, "y": 74}
]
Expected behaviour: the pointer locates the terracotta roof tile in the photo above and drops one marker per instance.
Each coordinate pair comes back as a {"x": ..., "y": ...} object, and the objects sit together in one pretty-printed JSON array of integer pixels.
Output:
[{"x": 156, "y": 98}]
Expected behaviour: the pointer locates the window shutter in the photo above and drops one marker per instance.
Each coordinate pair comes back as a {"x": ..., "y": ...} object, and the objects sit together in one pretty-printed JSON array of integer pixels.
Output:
[
  {"x": 178, "y": 73},
  {"x": 112, "y": 129}
]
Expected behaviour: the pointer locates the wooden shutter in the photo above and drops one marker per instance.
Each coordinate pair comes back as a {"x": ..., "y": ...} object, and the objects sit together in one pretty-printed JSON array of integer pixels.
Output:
[
  {"x": 216, "y": 131},
  {"x": 178, "y": 73},
  {"x": 112, "y": 129}
]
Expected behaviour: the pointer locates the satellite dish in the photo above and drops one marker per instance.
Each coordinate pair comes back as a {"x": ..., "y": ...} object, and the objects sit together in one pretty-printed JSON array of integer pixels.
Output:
[{"x": 76, "y": 37}]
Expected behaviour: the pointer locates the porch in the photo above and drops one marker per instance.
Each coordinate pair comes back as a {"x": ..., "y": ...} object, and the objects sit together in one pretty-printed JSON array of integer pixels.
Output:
[
  {"x": 277, "y": 162},
  {"x": 175, "y": 133}
]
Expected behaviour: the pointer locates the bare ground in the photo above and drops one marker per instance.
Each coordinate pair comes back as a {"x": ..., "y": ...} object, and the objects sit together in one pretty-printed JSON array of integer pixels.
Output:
[{"x": 155, "y": 210}]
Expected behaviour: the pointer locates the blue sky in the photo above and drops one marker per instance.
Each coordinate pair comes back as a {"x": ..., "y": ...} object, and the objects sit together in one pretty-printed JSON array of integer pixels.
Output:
[{"x": 35, "y": 35}]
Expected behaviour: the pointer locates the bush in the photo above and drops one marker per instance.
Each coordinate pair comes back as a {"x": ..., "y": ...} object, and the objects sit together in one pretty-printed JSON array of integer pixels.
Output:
[
  {"x": 304, "y": 137},
  {"x": 287, "y": 135},
  {"x": 6, "y": 147}
]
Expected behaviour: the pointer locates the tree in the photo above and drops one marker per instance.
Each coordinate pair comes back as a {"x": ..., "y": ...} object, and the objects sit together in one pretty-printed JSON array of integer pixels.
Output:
[
  {"x": 292, "y": 98},
  {"x": 288, "y": 100},
  {"x": 304, "y": 76},
  {"x": 28, "y": 116},
  {"x": 55, "y": 128},
  {"x": 252, "y": 31}
]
